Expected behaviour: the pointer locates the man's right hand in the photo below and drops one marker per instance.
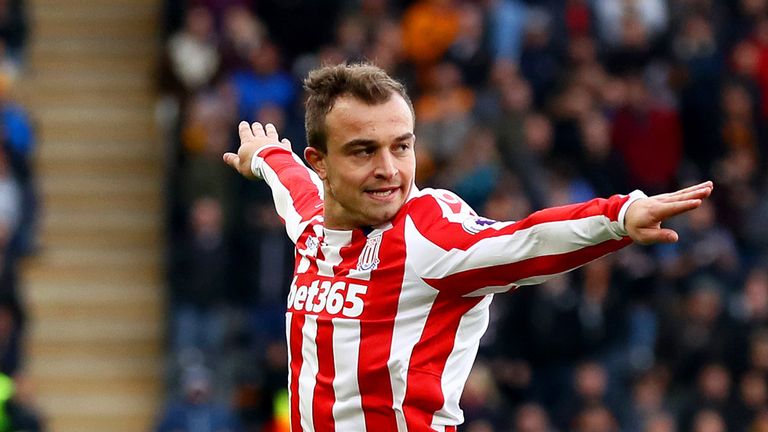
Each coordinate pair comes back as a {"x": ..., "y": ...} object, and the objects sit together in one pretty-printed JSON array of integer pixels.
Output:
[{"x": 252, "y": 138}]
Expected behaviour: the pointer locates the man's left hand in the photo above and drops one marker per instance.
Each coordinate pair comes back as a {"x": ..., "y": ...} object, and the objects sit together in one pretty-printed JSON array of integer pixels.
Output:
[{"x": 644, "y": 216}]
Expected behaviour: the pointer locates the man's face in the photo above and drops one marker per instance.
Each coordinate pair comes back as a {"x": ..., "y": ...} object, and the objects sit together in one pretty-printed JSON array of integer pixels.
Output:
[{"x": 369, "y": 166}]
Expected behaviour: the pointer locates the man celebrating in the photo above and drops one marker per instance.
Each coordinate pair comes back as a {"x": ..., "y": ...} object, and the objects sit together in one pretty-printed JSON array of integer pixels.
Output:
[{"x": 392, "y": 284}]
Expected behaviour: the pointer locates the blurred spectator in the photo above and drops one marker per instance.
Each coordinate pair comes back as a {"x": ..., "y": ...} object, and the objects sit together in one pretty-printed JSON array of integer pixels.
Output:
[
  {"x": 483, "y": 409},
  {"x": 595, "y": 418},
  {"x": 602, "y": 165},
  {"x": 713, "y": 394},
  {"x": 194, "y": 411},
  {"x": 429, "y": 28},
  {"x": 192, "y": 56},
  {"x": 474, "y": 173},
  {"x": 760, "y": 38},
  {"x": 506, "y": 27},
  {"x": 752, "y": 399},
  {"x": 590, "y": 389},
  {"x": 697, "y": 334},
  {"x": 708, "y": 420},
  {"x": 648, "y": 408},
  {"x": 614, "y": 16},
  {"x": 13, "y": 27},
  {"x": 200, "y": 282},
  {"x": 18, "y": 141},
  {"x": 470, "y": 51},
  {"x": 531, "y": 418},
  {"x": 204, "y": 139},
  {"x": 241, "y": 32},
  {"x": 10, "y": 201},
  {"x": 261, "y": 393},
  {"x": 443, "y": 111},
  {"x": 706, "y": 250},
  {"x": 661, "y": 423},
  {"x": 263, "y": 82},
  {"x": 741, "y": 153},
  {"x": 760, "y": 423},
  {"x": 700, "y": 62},
  {"x": 267, "y": 257},
  {"x": 648, "y": 136},
  {"x": 751, "y": 304},
  {"x": 539, "y": 63}
]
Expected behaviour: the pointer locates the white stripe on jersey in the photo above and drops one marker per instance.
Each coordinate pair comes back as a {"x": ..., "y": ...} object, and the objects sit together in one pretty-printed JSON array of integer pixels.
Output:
[
  {"x": 459, "y": 363},
  {"x": 288, "y": 317},
  {"x": 284, "y": 204},
  {"x": 309, "y": 369},
  {"x": 413, "y": 307},
  {"x": 347, "y": 408},
  {"x": 331, "y": 247},
  {"x": 312, "y": 176},
  {"x": 566, "y": 236}
]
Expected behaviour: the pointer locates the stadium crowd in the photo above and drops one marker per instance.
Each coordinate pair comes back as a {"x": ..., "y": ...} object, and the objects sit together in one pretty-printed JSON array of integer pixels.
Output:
[{"x": 519, "y": 105}]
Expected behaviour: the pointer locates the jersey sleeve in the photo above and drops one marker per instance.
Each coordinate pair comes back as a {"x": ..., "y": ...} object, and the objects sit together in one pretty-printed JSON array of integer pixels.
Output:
[
  {"x": 296, "y": 190},
  {"x": 451, "y": 248}
]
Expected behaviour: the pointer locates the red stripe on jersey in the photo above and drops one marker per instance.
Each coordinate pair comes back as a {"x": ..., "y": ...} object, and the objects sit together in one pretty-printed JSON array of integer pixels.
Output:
[
  {"x": 502, "y": 275},
  {"x": 376, "y": 331},
  {"x": 295, "y": 178},
  {"x": 297, "y": 323},
  {"x": 424, "y": 395},
  {"x": 426, "y": 215},
  {"x": 350, "y": 254},
  {"x": 322, "y": 408}
]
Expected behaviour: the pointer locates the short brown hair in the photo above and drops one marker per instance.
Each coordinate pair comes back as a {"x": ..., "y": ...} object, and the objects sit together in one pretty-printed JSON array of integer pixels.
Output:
[{"x": 363, "y": 81}]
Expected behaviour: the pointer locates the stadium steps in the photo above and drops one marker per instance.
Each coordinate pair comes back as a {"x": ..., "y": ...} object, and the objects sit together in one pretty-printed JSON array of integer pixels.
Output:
[{"x": 94, "y": 290}]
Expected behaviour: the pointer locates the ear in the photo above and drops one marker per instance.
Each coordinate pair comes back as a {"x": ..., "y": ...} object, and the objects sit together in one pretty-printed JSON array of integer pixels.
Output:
[{"x": 316, "y": 159}]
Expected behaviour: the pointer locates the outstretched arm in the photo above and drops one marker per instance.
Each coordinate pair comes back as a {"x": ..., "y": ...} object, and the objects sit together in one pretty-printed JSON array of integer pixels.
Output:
[
  {"x": 475, "y": 256},
  {"x": 644, "y": 216}
]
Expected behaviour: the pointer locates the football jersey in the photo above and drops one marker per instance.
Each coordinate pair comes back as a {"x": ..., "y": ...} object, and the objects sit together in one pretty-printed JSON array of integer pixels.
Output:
[{"x": 383, "y": 323}]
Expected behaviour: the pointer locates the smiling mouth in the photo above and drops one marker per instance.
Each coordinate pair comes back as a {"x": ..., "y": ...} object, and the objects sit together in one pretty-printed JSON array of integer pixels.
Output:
[{"x": 382, "y": 193}]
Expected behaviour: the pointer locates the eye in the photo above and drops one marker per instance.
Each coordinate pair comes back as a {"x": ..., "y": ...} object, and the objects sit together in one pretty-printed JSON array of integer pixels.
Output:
[
  {"x": 402, "y": 147},
  {"x": 363, "y": 152}
]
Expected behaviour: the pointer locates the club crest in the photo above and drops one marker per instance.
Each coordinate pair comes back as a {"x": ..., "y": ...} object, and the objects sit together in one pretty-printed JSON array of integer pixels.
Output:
[{"x": 369, "y": 257}]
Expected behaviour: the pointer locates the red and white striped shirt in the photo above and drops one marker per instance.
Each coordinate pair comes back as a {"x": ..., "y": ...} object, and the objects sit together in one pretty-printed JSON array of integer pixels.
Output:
[{"x": 383, "y": 325}]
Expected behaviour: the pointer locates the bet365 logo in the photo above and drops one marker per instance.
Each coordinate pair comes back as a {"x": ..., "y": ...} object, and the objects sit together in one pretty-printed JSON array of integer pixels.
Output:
[{"x": 331, "y": 297}]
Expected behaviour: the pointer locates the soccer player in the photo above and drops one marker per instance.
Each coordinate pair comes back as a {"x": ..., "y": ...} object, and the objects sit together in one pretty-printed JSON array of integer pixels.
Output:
[{"x": 392, "y": 283}]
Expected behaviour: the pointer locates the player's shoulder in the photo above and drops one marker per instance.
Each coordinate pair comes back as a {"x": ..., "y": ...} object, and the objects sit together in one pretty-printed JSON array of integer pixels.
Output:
[{"x": 437, "y": 203}]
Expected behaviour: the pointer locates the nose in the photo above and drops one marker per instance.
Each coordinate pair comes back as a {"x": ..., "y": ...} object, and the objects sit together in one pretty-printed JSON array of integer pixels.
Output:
[{"x": 385, "y": 166}]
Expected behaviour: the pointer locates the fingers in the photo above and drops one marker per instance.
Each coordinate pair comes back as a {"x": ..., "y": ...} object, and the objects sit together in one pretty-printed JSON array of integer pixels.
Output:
[
  {"x": 706, "y": 186},
  {"x": 257, "y": 129},
  {"x": 271, "y": 131},
  {"x": 232, "y": 159},
  {"x": 268, "y": 130},
  {"x": 670, "y": 209},
  {"x": 689, "y": 195},
  {"x": 244, "y": 130},
  {"x": 649, "y": 236},
  {"x": 663, "y": 235}
]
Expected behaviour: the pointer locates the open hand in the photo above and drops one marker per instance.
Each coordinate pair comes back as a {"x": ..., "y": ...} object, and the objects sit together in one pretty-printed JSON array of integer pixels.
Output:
[
  {"x": 252, "y": 138},
  {"x": 644, "y": 216}
]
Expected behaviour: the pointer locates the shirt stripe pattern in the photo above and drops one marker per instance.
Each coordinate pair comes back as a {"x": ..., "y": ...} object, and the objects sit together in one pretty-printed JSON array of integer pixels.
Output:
[{"x": 383, "y": 324}]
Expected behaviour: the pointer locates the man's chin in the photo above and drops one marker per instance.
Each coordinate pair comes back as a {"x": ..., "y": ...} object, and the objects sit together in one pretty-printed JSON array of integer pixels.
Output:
[{"x": 382, "y": 216}]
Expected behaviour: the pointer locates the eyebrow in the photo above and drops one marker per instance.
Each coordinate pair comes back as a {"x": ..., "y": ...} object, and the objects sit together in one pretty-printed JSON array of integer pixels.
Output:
[{"x": 362, "y": 142}]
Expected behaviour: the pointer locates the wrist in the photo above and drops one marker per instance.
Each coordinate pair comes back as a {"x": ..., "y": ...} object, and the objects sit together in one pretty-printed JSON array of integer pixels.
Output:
[
  {"x": 633, "y": 197},
  {"x": 257, "y": 161}
]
